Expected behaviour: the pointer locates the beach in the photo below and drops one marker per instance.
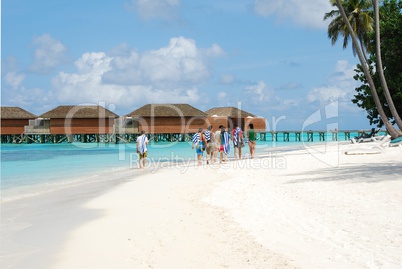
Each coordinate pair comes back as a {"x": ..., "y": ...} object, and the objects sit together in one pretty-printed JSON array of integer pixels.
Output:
[{"x": 314, "y": 207}]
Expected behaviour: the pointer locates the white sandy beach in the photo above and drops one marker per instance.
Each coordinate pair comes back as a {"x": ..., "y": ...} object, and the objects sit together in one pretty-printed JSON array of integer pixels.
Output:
[{"x": 314, "y": 208}]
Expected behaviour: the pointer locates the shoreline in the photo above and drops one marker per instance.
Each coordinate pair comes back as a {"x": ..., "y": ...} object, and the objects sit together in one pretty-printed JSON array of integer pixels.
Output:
[
  {"x": 237, "y": 215},
  {"x": 154, "y": 163}
]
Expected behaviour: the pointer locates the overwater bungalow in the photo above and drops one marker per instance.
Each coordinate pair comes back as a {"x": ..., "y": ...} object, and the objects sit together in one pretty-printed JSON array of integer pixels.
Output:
[
  {"x": 75, "y": 123},
  {"x": 229, "y": 116},
  {"x": 169, "y": 122},
  {"x": 13, "y": 120}
]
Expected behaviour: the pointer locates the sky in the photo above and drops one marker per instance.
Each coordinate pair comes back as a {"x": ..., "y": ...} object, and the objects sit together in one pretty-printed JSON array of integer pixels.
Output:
[{"x": 271, "y": 58}]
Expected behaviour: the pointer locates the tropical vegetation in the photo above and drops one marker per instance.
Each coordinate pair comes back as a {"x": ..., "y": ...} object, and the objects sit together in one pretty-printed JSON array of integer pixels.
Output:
[{"x": 379, "y": 70}]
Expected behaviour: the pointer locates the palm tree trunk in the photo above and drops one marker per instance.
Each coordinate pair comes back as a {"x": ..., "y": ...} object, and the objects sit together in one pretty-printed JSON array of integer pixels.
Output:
[
  {"x": 363, "y": 51},
  {"x": 380, "y": 68},
  {"x": 392, "y": 131}
]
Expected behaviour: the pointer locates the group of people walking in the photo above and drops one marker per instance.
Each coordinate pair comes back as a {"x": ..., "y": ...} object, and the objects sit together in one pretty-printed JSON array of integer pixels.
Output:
[
  {"x": 213, "y": 143},
  {"x": 219, "y": 142}
]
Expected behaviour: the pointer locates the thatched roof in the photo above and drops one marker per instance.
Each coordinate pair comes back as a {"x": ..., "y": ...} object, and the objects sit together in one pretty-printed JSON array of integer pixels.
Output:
[
  {"x": 79, "y": 112},
  {"x": 167, "y": 110},
  {"x": 232, "y": 112},
  {"x": 15, "y": 113}
]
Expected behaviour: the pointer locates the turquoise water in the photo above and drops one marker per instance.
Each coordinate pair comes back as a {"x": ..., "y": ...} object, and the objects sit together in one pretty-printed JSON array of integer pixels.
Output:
[
  {"x": 25, "y": 167},
  {"x": 30, "y": 168}
]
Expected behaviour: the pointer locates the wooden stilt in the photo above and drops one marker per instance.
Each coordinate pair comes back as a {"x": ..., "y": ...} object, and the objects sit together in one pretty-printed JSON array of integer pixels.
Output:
[
  {"x": 310, "y": 136},
  {"x": 298, "y": 136},
  {"x": 322, "y": 136},
  {"x": 285, "y": 137}
]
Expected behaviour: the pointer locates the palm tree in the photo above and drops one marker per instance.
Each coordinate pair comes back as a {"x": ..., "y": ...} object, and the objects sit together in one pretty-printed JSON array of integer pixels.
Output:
[
  {"x": 360, "y": 19},
  {"x": 392, "y": 131},
  {"x": 380, "y": 68}
]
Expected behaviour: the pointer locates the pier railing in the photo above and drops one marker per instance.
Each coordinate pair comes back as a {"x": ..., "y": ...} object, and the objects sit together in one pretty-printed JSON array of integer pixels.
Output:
[
  {"x": 39, "y": 132},
  {"x": 310, "y": 136}
]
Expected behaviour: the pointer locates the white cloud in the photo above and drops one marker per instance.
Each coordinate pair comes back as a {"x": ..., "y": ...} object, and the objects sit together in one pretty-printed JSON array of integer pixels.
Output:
[
  {"x": 124, "y": 57},
  {"x": 181, "y": 60},
  {"x": 166, "y": 10},
  {"x": 221, "y": 95},
  {"x": 303, "y": 13},
  {"x": 14, "y": 80},
  {"x": 16, "y": 93},
  {"x": 172, "y": 96},
  {"x": 128, "y": 78},
  {"x": 227, "y": 79},
  {"x": 341, "y": 87},
  {"x": 290, "y": 86},
  {"x": 125, "y": 68},
  {"x": 326, "y": 94},
  {"x": 86, "y": 85},
  {"x": 343, "y": 74},
  {"x": 9, "y": 64},
  {"x": 48, "y": 54},
  {"x": 96, "y": 62},
  {"x": 259, "y": 92},
  {"x": 25, "y": 97},
  {"x": 290, "y": 102},
  {"x": 214, "y": 51}
]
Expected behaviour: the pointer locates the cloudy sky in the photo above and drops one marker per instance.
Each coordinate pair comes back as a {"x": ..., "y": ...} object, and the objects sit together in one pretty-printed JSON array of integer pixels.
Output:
[{"x": 269, "y": 57}]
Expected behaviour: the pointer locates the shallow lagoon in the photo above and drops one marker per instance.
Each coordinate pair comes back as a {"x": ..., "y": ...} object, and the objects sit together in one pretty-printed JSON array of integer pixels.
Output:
[{"x": 27, "y": 169}]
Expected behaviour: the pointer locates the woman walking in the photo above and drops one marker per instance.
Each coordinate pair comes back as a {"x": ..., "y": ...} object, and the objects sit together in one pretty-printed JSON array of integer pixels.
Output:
[
  {"x": 252, "y": 140},
  {"x": 199, "y": 143}
]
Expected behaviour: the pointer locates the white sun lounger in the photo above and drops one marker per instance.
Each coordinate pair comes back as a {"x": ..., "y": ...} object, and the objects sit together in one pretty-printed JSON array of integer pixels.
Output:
[
  {"x": 374, "y": 147},
  {"x": 367, "y": 139},
  {"x": 396, "y": 142}
]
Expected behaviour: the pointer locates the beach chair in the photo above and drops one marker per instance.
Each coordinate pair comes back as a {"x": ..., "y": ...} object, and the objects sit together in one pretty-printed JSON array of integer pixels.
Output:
[
  {"x": 373, "y": 147},
  {"x": 396, "y": 142},
  {"x": 371, "y": 137}
]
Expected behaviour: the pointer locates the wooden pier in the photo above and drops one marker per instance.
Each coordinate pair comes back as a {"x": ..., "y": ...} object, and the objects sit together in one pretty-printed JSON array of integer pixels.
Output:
[
  {"x": 41, "y": 137},
  {"x": 308, "y": 136},
  {"x": 162, "y": 123}
]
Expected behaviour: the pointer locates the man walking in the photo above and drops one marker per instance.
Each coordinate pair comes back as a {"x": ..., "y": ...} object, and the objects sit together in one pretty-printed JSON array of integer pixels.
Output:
[
  {"x": 142, "y": 149},
  {"x": 210, "y": 137},
  {"x": 238, "y": 141}
]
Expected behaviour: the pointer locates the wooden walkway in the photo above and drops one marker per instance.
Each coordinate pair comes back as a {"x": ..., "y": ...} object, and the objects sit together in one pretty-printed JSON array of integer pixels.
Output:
[
  {"x": 277, "y": 136},
  {"x": 89, "y": 138},
  {"x": 309, "y": 136}
]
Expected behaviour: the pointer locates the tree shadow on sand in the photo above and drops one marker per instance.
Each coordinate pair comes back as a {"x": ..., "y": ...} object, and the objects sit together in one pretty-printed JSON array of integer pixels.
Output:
[{"x": 369, "y": 173}]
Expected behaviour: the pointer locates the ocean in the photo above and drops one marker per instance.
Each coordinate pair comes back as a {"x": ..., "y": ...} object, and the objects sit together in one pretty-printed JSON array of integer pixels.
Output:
[{"x": 30, "y": 169}]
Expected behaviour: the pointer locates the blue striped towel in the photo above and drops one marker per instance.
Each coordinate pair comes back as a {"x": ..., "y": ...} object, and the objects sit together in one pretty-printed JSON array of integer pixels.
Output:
[
  {"x": 235, "y": 136},
  {"x": 207, "y": 135},
  {"x": 226, "y": 144},
  {"x": 196, "y": 138}
]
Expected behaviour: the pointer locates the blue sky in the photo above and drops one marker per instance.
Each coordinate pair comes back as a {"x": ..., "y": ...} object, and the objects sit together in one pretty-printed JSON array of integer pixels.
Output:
[{"x": 269, "y": 57}]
